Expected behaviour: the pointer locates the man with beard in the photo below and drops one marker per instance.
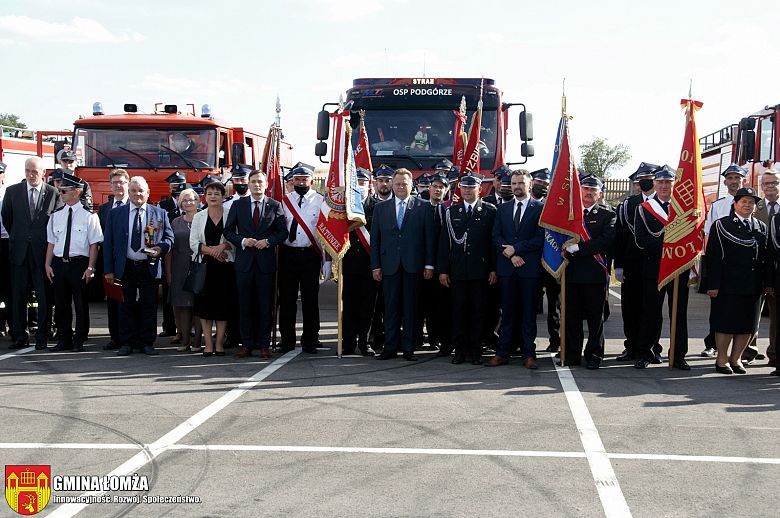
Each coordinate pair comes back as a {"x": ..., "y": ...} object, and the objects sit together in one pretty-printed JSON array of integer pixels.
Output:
[
  {"x": 383, "y": 181},
  {"x": 494, "y": 197}
]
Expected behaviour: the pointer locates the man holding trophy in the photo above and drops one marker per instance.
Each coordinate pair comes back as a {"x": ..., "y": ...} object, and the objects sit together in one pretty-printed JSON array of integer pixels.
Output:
[{"x": 137, "y": 235}]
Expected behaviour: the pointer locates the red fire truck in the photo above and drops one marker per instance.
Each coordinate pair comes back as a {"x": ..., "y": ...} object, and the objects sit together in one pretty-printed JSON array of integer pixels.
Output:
[
  {"x": 752, "y": 143},
  {"x": 17, "y": 145},
  {"x": 398, "y": 111},
  {"x": 156, "y": 144}
]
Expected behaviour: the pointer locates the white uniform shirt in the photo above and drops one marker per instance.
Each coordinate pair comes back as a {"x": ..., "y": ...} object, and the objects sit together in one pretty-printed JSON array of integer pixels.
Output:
[
  {"x": 719, "y": 209},
  {"x": 85, "y": 230},
  {"x": 309, "y": 210},
  {"x": 229, "y": 202}
]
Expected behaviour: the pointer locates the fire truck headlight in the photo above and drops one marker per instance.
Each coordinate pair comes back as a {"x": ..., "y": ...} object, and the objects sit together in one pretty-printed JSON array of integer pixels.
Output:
[{"x": 97, "y": 108}]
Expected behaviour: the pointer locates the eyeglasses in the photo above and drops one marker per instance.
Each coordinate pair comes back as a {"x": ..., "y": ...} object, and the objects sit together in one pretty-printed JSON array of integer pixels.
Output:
[
  {"x": 771, "y": 184},
  {"x": 188, "y": 200},
  {"x": 117, "y": 183}
]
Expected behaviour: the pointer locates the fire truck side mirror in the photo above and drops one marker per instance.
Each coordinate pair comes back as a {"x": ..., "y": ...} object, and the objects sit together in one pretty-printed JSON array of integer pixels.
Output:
[
  {"x": 321, "y": 149},
  {"x": 748, "y": 145},
  {"x": 323, "y": 125},
  {"x": 526, "y": 128},
  {"x": 237, "y": 153},
  {"x": 527, "y": 150}
]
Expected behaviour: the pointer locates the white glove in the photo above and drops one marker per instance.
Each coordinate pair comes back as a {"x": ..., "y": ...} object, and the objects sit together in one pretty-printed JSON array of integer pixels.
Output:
[
  {"x": 619, "y": 274},
  {"x": 327, "y": 271},
  {"x": 572, "y": 248}
]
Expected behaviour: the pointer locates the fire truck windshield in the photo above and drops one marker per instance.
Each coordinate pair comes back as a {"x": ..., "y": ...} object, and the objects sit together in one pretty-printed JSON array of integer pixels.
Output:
[
  {"x": 422, "y": 137},
  {"x": 146, "y": 148}
]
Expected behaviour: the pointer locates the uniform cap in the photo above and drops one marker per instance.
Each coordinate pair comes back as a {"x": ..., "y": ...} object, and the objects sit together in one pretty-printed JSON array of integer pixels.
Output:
[
  {"x": 470, "y": 179},
  {"x": 176, "y": 177},
  {"x": 541, "y": 174},
  {"x": 208, "y": 179},
  {"x": 70, "y": 182},
  {"x": 302, "y": 171},
  {"x": 747, "y": 191},
  {"x": 241, "y": 170},
  {"x": 383, "y": 171},
  {"x": 362, "y": 174},
  {"x": 592, "y": 181},
  {"x": 644, "y": 169},
  {"x": 734, "y": 168},
  {"x": 67, "y": 154},
  {"x": 442, "y": 165},
  {"x": 664, "y": 173},
  {"x": 424, "y": 181}
]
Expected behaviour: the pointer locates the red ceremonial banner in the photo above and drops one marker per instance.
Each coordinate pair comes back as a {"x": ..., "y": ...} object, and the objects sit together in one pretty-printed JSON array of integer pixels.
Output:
[
  {"x": 270, "y": 164},
  {"x": 684, "y": 234},
  {"x": 459, "y": 146}
]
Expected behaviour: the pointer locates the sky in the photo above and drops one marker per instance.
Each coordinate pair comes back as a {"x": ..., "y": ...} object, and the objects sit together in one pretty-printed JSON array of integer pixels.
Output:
[{"x": 626, "y": 64}]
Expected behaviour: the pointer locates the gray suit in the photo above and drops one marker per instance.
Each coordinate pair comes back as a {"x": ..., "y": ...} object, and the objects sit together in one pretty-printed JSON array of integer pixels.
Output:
[
  {"x": 27, "y": 251},
  {"x": 762, "y": 214}
]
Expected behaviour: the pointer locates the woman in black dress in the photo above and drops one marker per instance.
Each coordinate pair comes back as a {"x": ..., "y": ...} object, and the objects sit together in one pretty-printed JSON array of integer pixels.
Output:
[
  {"x": 736, "y": 277},
  {"x": 206, "y": 239}
]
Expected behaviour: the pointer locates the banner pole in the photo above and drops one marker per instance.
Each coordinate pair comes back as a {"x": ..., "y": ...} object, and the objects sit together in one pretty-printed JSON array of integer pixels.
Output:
[
  {"x": 275, "y": 310},
  {"x": 340, "y": 309},
  {"x": 563, "y": 318},
  {"x": 673, "y": 324}
]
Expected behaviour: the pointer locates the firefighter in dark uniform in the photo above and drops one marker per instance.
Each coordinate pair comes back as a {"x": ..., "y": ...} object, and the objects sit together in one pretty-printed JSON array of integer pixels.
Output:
[
  {"x": 586, "y": 278},
  {"x": 423, "y": 184},
  {"x": 649, "y": 225},
  {"x": 359, "y": 291},
  {"x": 73, "y": 234},
  {"x": 383, "y": 191},
  {"x": 467, "y": 265},
  {"x": 494, "y": 197},
  {"x": 177, "y": 182},
  {"x": 435, "y": 303},
  {"x": 628, "y": 260},
  {"x": 439, "y": 168},
  {"x": 67, "y": 159}
]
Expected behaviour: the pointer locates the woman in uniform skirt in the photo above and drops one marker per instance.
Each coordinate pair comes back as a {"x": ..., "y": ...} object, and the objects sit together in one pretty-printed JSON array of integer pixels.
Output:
[{"x": 736, "y": 265}]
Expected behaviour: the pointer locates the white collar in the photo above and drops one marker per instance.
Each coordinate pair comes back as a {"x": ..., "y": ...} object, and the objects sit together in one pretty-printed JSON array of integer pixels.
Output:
[
  {"x": 399, "y": 200},
  {"x": 142, "y": 207},
  {"x": 38, "y": 188},
  {"x": 591, "y": 207}
]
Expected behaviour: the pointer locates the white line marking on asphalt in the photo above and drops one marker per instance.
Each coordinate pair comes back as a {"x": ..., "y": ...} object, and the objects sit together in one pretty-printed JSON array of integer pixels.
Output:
[
  {"x": 16, "y": 353},
  {"x": 162, "y": 444},
  {"x": 68, "y": 446},
  {"x": 615, "y": 294},
  {"x": 612, "y": 500},
  {"x": 694, "y": 458}
]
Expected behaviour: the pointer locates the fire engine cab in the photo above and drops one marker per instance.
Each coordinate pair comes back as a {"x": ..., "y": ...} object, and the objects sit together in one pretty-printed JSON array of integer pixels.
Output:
[
  {"x": 752, "y": 143},
  {"x": 154, "y": 145}
]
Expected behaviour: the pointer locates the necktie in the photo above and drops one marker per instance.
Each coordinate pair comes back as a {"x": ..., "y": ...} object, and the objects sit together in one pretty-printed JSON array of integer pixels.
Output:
[
  {"x": 256, "y": 214},
  {"x": 665, "y": 206},
  {"x": 468, "y": 212},
  {"x": 117, "y": 204},
  {"x": 772, "y": 209},
  {"x": 518, "y": 214},
  {"x": 33, "y": 192},
  {"x": 585, "y": 212},
  {"x": 400, "y": 216},
  {"x": 135, "y": 241},
  {"x": 746, "y": 223},
  {"x": 66, "y": 251}
]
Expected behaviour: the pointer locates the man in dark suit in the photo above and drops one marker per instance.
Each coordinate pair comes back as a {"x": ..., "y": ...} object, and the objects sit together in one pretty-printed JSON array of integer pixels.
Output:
[
  {"x": 359, "y": 292},
  {"x": 402, "y": 254},
  {"x": 467, "y": 265},
  {"x": 518, "y": 239},
  {"x": 137, "y": 237},
  {"x": 255, "y": 226},
  {"x": 586, "y": 278},
  {"x": 26, "y": 209},
  {"x": 119, "y": 181}
]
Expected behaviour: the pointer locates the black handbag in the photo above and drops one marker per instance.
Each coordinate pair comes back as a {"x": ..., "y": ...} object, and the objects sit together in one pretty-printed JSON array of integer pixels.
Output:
[{"x": 196, "y": 276}]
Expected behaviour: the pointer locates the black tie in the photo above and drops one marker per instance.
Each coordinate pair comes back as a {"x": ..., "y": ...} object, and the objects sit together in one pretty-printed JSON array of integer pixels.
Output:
[
  {"x": 518, "y": 214},
  {"x": 135, "y": 241},
  {"x": 66, "y": 252},
  {"x": 665, "y": 206},
  {"x": 585, "y": 212},
  {"x": 772, "y": 209},
  {"x": 747, "y": 225},
  {"x": 468, "y": 212},
  {"x": 117, "y": 204},
  {"x": 294, "y": 224}
]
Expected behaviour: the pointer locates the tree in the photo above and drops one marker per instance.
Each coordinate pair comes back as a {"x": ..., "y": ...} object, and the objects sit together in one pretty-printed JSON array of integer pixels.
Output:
[
  {"x": 9, "y": 119},
  {"x": 599, "y": 158}
]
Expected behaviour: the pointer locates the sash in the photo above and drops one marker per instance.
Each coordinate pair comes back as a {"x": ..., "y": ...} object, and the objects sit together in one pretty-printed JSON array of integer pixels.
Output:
[
  {"x": 307, "y": 229},
  {"x": 364, "y": 237},
  {"x": 654, "y": 208}
]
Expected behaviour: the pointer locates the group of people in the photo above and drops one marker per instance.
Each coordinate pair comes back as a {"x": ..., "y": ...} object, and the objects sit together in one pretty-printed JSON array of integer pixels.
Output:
[{"x": 434, "y": 255}]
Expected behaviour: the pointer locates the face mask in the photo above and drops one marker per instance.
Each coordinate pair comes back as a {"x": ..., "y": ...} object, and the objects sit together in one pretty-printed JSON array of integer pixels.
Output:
[
  {"x": 363, "y": 191},
  {"x": 539, "y": 191},
  {"x": 240, "y": 188},
  {"x": 301, "y": 190},
  {"x": 645, "y": 184}
]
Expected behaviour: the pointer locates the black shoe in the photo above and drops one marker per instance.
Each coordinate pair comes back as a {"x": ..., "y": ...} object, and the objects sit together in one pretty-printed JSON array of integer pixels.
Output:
[
  {"x": 626, "y": 357},
  {"x": 367, "y": 351},
  {"x": 458, "y": 359},
  {"x": 208, "y": 353},
  {"x": 410, "y": 357},
  {"x": 149, "y": 350},
  {"x": 166, "y": 334},
  {"x": 553, "y": 348},
  {"x": 723, "y": 370},
  {"x": 738, "y": 369},
  {"x": 592, "y": 365},
  {"x": 641, "y": 364},
  {"x": 62, "y": 346},
  {"x": 219, "y": 353},
  {"x": 682, "y": 365},
  {"x": 387, "y": 355},
  {"x": 20, "y": 344},
  {"x": 40, "y": 345},
  {"x": 285, "y": 349},
  {"x": 78, "y": 348},
  {"x": 311, "y": 349},
  {"x": 656, "y": 360},
  {"x": 125, "y": 350},
  {"x": 111, "y": 346}
]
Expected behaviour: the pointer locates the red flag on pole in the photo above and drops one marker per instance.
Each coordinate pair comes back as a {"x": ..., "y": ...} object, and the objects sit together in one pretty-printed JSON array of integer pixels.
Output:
[
  {"x": 459, "y": 134},
  {"x": 684, "y": 234},
  {"x": 362, "y": 153},
  {"x": 470, "y": 159},
  {"x": 270, "y": 163}
]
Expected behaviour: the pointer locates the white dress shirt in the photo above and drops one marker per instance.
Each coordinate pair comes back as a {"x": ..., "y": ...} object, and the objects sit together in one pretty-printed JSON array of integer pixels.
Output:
[
  {"x": 519, "y": 205},
  {"x": 85, "y": 230}
]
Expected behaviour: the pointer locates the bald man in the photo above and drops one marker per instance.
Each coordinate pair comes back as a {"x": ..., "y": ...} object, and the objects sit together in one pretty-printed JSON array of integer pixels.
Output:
[{"x": 26, "y": 209}]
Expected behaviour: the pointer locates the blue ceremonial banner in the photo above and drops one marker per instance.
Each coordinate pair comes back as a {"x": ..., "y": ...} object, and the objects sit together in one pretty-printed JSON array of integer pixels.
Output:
[
  {"x": 355, "y": 212},
  {"x": 552, "y": 258}
]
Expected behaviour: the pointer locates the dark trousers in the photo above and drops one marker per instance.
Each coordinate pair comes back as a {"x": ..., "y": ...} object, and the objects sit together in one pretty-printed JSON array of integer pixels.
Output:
[
  {"x": 376, "y": 336},
  {"x": 255, "y": 298},
  {"x": 112, "y": 309},
  {"x": 584, "y": 301},
  {"x": 552, "y": 292},
  {"x": 5, "y": 286},
  {"x": 518, "y": 315},
  {"x": 70, "y": 290},
  {"x": 652, "y": 317},
  {"x": 22, "y": 277},
  {"x": 299, "y": 269},
  {"x": 402, "y": 292},
  {"x": 359, "y": 296},
  {"x": 631, "y": 300},
  {"x": 168, "y": 322},
  {"x": 138, "y": 312},
  {"x": 492, "y": 314},
  {"x": 469, "y": 300},
  {"x": 435, "y": 313}
]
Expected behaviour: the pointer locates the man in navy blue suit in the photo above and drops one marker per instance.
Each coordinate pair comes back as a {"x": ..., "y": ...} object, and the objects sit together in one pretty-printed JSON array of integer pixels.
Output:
[
  {"x": 255, "y": 226},
  {"x": 402, "y": 255},
  {"x": 137, "y": 237},
  {"x": 518, "y": 239}
]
